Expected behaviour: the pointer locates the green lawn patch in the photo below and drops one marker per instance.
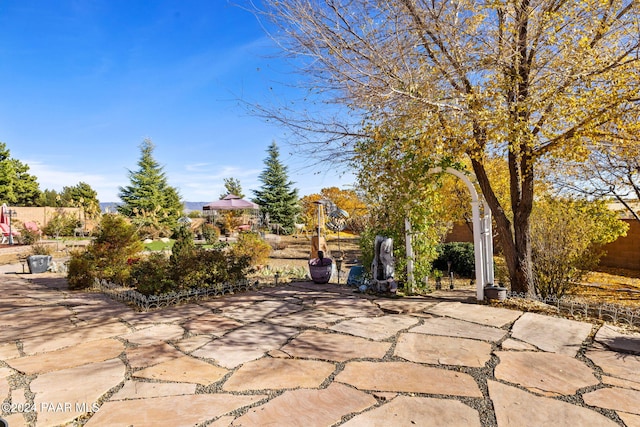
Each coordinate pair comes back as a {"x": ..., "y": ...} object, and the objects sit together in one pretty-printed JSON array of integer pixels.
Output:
[{"x": 158, "y": 245}]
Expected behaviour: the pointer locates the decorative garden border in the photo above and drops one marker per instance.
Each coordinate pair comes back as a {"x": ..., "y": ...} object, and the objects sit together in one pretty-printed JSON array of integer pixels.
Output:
[
  {"x": 150, "y": 302},
  {"x": 607, "y": 312}
]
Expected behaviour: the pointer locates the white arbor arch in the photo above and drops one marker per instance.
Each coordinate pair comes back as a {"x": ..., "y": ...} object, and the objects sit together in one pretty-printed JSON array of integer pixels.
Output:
[{"x": 482, "y": 233}]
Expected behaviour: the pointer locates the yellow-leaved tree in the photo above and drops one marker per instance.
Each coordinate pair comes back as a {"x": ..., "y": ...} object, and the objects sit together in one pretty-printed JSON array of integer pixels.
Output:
[{"x": 524, "y": 80}]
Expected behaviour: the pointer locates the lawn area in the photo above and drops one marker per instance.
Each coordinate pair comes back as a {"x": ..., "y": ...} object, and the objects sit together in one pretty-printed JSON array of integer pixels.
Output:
[{"x": 159, "y": 245}]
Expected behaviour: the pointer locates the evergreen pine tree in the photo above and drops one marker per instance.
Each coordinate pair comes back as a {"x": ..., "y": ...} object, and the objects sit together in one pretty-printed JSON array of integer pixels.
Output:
[
  {"x": 232, "y": 186},
  {"x": 149, "y": 199},
  {"x": 17, "y": 186},
  {"x": 276, "y": 197}
]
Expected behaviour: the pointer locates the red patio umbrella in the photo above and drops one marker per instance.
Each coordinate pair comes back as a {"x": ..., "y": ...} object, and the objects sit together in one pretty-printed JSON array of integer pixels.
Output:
[{"x": 4, "y": 218}]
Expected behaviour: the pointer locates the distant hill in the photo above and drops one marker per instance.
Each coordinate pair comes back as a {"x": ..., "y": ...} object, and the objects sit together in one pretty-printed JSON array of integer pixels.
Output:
[
  {"x": 188, "y": 206},
  {"x": 194, "y": 206},
  {"x": 108, "y": 206}
]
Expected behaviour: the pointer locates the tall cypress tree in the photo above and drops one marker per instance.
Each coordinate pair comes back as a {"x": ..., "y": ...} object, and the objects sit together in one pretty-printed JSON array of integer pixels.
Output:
[
  {"x": 277, "y": 197},
  {"x": 149, "y": 198}
]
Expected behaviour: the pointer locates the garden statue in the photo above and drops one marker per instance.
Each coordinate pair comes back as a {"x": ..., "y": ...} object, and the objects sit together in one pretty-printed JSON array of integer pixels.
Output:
[{"x": 382, "y": 267}]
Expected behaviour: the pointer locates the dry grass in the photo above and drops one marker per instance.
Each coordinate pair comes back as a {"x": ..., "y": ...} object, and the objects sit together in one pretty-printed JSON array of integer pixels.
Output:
[
  {"x": 295, "y": 251},
  {"x": 613, "y": 286}
]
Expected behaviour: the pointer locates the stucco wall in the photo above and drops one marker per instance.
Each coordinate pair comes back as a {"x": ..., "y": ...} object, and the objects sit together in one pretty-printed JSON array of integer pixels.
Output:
[
  {"x": 40, "y": 215},
  {"x": 623, "y": 253}
]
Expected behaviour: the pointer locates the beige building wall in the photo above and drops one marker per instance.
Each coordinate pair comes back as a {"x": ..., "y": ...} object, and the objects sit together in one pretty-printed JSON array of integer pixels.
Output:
[
  {"x": 41, "y": 215},
  {"x": 623, "y": 253}
]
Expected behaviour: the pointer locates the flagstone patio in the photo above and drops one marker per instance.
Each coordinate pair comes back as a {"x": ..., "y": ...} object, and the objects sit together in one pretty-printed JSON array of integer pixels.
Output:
[{"x": 305, "y": 355}]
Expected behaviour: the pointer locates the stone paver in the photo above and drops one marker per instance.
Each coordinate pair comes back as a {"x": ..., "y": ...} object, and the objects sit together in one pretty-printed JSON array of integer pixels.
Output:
[
  {"x": 63, "y": 395},
  {"x": 490, "y": 316},
  {"x": 246, "y": 343},
  {"x": 617, "y": 340},
  {"x": 408, "y": 377},
  {"x": 15, "y": 420},
  {"x": 620, "y": 382},
  {"x": 404, "y": 306},
  {"x": 334, "y": 346},
  {"x": 308, "y": 408},
  {"x": 4, "y": 384},
  {"x": 511, "y": 344},
  {"x": 186, "y": 369},
  {"x": 434, "y": 349},
  {"x": 620, "y": 365},
  {"x": 9, "y": 350},
  {"x": 155, "y": 334},
  {"x": 544, "y": 373},
  {"x": 73, "y": 337},
  {"x": 175, "y": 314},
  {"x": 210, "y": 323},
  {"x": 459, "y": 328},
  {"x": 376, "y": 328},
  {"x": 552, "y": 334},
  {"x": 618, "y": 399},
  {"x": 270, "y": 373},
  {"x": 93, "y": 351},
  {"x": 418, "y": 411},
  {"x": 149, "y": 355},
  {"x": 630, "y": 420},
  {"x": 515, "y": 407},
  {"x": 169, "y": 411},
  {"x": 261, "y": 310},
  {"x": 348, "y": 307},
  {"x": 307, "y": 318},
  {"x": 192, "y": 343},
  {"x": 305, "y": 354},
  {"x": 142, "y": 390}
]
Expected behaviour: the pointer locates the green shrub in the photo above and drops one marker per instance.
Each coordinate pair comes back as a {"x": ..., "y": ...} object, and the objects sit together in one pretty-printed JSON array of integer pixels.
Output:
[
  {"x": 115, "y": 245},
  {"x": 62, "y": 224},
  {"x": 208, "y": 267},
  {"x": 29, "y": 237},
  {"x": 567, "y": 238},
  {"x": 252, "y": 246},
  {"x": 151, "y": 275},
  {"x": 184, "y": 244},
  {"x": 81, "y": 273},
  {"x": 40, "y": 249},
  {"x": 461, "y": 256},
  {"x": 210, "y": 233}
]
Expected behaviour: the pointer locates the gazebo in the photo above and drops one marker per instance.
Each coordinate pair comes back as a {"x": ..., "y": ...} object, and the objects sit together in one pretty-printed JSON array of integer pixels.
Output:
[{"x": 231, "y": 202}]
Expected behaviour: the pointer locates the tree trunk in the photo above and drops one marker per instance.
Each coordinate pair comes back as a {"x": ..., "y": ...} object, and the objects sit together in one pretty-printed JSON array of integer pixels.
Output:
[{"x": 516, "y": 241}]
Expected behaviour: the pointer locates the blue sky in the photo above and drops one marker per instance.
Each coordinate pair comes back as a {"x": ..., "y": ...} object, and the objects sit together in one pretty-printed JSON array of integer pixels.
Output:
[{"x": 83, "y": 82}]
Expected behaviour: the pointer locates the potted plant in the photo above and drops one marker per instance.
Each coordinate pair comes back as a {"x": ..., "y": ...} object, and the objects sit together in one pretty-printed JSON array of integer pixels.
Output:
[
  {"x": 320, "y": 268},
  {"x": 40, "y": 259}
]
